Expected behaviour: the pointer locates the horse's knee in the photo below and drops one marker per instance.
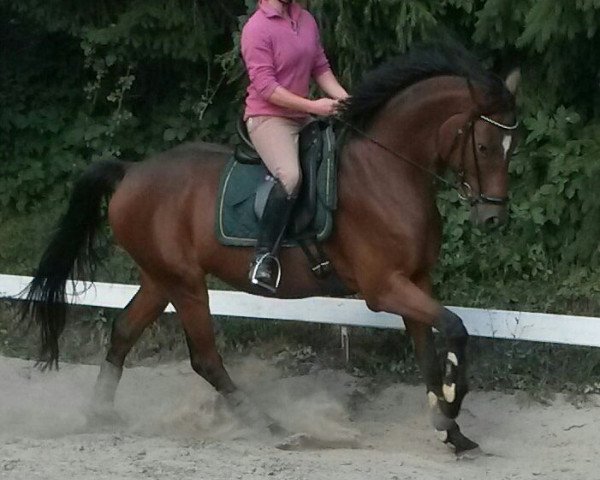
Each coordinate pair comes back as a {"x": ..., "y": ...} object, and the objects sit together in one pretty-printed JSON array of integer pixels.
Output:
[{"x": 451, "y": 326}]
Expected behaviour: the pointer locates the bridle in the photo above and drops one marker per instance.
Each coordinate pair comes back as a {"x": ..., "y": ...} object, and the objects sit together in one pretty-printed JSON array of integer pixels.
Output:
[{"x": 464, "y": 189}]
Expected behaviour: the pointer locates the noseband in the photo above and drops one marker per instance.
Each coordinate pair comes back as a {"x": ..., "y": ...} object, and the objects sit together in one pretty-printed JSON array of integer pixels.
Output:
[{"x": 465, "y": 191}]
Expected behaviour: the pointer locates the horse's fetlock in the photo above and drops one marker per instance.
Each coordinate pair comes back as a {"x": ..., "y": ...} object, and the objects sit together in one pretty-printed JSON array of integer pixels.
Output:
[
  {"x": 450, "y": 409},
  {"x": 439, "y": 421}
]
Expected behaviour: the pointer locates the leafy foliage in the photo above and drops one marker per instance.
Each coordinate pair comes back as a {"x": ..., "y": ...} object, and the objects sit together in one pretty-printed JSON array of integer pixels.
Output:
[
  {"x": 113, "y": 79},
  {"x": 83, "y": 80}
]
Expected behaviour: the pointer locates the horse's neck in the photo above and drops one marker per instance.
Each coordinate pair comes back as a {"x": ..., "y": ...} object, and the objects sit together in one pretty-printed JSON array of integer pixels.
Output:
[
  {"x": 408, "y": 126},
  {"x": 415, "y": 116}
]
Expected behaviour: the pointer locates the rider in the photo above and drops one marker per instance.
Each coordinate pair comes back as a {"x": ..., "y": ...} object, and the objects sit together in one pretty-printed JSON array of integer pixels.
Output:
[{"x": 282, "y": 50}]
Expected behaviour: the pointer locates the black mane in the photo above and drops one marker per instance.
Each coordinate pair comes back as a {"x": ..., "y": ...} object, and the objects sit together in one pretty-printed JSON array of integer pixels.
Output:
[{"x": 423, "y": 62}]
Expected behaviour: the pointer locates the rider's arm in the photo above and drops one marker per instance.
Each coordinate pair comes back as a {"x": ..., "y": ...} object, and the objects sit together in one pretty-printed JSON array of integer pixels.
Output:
[
  {"x": 258, "y": 57},
  {"x": 329, "y": 84},
  {"x": 284, "y": 98},
  {"x": 323, "y": 75}
]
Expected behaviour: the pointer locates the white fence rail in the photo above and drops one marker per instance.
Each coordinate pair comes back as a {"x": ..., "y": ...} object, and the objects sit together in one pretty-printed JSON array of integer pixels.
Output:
[{"x": 539, "y": 327}]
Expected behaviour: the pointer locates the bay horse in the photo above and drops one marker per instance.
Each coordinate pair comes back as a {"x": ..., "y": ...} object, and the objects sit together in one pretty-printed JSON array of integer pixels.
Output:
[{"x": 432, "y": 110}]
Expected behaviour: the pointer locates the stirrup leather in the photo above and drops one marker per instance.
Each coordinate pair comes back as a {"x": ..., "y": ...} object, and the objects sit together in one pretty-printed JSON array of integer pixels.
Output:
[{"x": 259, "y": 261}]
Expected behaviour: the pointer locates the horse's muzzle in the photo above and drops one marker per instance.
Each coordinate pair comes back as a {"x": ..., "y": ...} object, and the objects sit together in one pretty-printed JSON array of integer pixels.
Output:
[{"x": 488, "y": 215}]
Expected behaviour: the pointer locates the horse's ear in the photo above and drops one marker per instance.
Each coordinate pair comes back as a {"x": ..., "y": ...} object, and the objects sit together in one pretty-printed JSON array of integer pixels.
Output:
[{"x": 513, "y": 80}]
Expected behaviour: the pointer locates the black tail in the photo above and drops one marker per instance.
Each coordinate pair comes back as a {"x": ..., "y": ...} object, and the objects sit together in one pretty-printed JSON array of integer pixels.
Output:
[{"x": 70, "y": 252}]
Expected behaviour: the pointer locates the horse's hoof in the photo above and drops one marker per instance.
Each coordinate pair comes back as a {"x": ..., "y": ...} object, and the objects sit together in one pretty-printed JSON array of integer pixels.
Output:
[
  {"x": 472, "y": 454},
  {"x": 460, "y": 443}
]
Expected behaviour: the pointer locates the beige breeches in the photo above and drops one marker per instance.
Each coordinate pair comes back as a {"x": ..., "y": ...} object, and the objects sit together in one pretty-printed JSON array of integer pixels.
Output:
[{"x": 276, "y": 141}]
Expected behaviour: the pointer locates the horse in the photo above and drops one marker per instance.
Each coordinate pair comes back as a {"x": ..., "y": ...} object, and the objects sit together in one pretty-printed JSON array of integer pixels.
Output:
[{"x": 432, "y": 110}]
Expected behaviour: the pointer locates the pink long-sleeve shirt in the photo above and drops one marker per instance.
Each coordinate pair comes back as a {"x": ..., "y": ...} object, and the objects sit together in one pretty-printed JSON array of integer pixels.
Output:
[{"x": 280, "y": 52}]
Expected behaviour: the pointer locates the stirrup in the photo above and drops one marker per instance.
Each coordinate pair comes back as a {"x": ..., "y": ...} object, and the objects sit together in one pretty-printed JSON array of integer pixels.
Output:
[{"x": 254, "y": 271}]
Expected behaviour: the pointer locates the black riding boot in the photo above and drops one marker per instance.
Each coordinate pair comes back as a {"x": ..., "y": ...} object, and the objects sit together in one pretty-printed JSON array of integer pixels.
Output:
[{"x": 265, "y": 270}]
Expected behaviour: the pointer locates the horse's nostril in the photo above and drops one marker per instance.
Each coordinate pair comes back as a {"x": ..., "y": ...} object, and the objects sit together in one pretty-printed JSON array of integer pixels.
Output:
[{"x": 492, "y": 221}]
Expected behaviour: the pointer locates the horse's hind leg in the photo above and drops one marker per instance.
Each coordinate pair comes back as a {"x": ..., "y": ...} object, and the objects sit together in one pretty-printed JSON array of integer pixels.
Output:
[
  {"x": 191, "y": 303},
  {"x": 145, "y": 307},
  {"x": 427, "y": 357}
]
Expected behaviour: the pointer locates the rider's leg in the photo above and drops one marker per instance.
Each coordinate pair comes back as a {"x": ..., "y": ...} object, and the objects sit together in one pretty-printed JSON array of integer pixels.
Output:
[
  {"x": 265, "y": 270},
  {"x": 276, "y": 140}
]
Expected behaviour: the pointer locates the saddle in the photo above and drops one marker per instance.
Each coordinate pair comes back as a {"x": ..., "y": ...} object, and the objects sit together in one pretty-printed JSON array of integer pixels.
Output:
[{"x": 246, "y": 182}]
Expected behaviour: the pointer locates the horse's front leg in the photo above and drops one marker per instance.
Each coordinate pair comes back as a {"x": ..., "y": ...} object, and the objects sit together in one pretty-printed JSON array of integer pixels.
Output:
[
  {"x": 454, "y": 385},
  {"x": 446, "y": 390},
  {"x": 427, "y": 356}
]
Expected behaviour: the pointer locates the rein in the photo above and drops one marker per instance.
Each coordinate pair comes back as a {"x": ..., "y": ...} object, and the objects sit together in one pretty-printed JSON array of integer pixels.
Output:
[
  {"x": 465, "y": 191},
  {"x": 395, "y": 154}
]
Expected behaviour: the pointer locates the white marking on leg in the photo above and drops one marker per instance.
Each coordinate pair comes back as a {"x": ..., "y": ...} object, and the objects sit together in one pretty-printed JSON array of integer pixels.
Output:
[
  {"x": 506, "y": 141},
  {"x": 433, "y": 400},
  {"x": 449, "y": 392},
  {"x": 442, "y": 435},
  {"x": 453, "y": 359}
]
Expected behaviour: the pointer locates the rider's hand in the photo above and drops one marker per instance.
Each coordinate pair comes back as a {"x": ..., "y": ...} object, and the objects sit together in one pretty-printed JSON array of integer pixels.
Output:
[{"x": 324, "y": 107}]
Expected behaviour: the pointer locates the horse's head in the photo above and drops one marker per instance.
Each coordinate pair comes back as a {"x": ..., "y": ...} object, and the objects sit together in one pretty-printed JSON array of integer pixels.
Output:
[{"x": 479, "y": 154}]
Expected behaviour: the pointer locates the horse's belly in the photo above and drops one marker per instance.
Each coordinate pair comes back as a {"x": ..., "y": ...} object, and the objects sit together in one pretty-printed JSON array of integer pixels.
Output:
[{"x": 231, "y": 265}]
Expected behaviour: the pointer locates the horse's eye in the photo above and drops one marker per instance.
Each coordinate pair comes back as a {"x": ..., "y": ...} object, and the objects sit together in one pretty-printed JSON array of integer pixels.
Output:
[{"x": 481, "y": 148}]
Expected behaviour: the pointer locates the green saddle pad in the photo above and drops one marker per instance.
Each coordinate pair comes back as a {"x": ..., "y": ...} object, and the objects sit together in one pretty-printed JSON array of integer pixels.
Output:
[{"x": 236, "y": 222}]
